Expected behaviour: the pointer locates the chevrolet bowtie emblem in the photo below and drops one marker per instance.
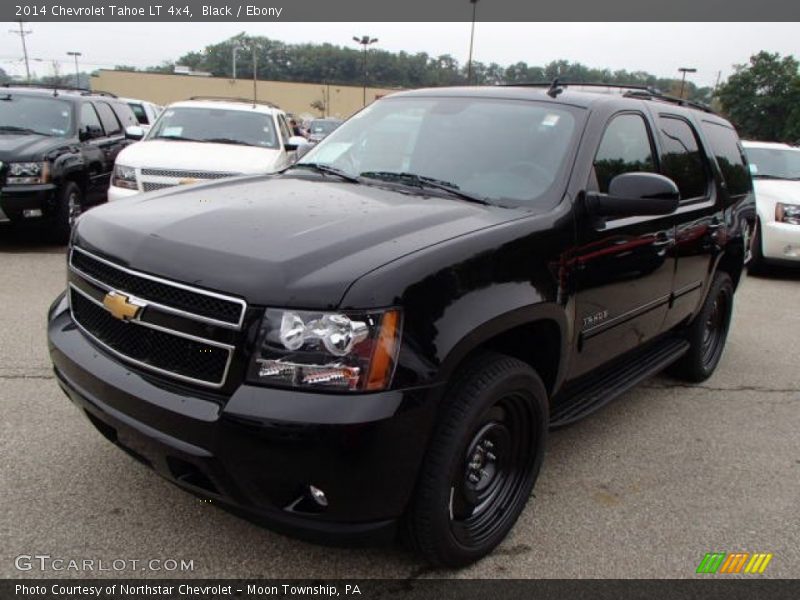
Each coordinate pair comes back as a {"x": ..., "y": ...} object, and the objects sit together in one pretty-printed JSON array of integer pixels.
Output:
[
  {"x": 121, "y": 307},
  {"x": 187, "y": 181}
]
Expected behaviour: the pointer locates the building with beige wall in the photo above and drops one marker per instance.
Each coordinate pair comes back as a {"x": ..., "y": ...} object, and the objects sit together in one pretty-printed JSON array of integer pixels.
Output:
[{"x": 340, "y": 100}]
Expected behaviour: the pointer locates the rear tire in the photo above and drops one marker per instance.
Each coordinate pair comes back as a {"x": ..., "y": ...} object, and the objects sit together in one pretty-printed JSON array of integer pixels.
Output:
[
  {"x": 708, "y": 332},
  {"x": 69, "y": 207},
  {"x": 482, "y": 462}
]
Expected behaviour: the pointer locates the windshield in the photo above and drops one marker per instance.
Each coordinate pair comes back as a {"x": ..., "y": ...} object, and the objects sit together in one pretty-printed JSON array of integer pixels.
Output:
[
  {"x": 43, "y": 115},
  {"x": 324, "y": 126},
  {"x": 782, "y": 163},
  {"x": 218, "y": 125},
  {"x": 493, "y": 149}
]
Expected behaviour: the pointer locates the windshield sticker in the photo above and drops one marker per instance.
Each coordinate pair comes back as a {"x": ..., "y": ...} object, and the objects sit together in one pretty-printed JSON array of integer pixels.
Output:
[
  {"x": 172, "y": 131},
  {"x": 550, "y": 120}
]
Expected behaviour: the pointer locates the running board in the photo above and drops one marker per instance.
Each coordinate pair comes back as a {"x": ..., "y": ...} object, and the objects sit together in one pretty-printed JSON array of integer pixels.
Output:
[{"x": 585, "y": 398}]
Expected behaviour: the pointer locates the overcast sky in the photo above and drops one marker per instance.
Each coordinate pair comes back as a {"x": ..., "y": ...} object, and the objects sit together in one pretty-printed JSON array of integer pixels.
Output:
[{"x": 659, "y": 48}]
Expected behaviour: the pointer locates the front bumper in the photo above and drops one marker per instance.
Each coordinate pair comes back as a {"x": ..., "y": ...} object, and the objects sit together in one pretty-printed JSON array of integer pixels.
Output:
[
  {"x": 780, "y": 241},
  {"x": 257, "y": 451},
  {"x": 118, "y": 193},
  {"x": 16, "y": 199}
]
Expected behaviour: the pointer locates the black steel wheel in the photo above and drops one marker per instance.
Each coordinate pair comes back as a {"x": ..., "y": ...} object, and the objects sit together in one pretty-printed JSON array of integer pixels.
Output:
[
  {"x": 482, "y": 462},
  {"x": 708, "y": 332}
]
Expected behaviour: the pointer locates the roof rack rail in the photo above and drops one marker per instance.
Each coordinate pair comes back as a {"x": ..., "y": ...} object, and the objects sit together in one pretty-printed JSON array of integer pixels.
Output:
[
  {"x": 57, "y": 88},
  {"x": 233, "y": 99},
  {"x": 99, "y": 93},
  {"x": 644, "y": 92}
]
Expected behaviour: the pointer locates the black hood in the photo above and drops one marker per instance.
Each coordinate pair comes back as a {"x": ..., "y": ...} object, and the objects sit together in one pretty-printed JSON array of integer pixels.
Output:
[
  {"x": 21, "y": 148},
  {"x": 276, "y": 240}
]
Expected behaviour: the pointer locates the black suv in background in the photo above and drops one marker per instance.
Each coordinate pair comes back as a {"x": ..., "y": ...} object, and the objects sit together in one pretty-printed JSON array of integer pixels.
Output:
[
  {"x": 379, "y": 338},
  {"x": 57, "y": 151}
]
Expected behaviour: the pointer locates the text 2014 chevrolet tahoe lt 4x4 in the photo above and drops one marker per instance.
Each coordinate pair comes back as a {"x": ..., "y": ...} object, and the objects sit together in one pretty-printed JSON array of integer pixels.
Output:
[{"x": 377, "y": 340}]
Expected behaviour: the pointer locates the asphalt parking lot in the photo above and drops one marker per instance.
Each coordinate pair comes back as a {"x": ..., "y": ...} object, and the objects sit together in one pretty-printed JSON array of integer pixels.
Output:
[{"x": 642, "y": 489}]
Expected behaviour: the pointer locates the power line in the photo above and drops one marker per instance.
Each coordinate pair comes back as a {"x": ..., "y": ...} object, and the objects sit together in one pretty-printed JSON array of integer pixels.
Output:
[{"x": 22, "y": 33}]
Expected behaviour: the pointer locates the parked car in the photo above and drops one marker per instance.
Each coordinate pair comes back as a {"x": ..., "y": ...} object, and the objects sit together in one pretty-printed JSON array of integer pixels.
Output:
[
  {"x": 146, "y": 112},
  {"x": 318, "y": 129},
  {"x": 57, "y": 150},
  {"x": 377, "y": 340},
  {"x": 205, "y": 139},
  {"x": 776, "y": 177}
]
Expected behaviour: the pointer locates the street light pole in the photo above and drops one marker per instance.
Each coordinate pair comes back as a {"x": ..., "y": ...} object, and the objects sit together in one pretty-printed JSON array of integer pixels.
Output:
[
  {"x": 77, "y": 73},
  {"x": 471, "y": 40},
  {"x": 364, "y": 41},
  {"x": 684, "y": 71}
]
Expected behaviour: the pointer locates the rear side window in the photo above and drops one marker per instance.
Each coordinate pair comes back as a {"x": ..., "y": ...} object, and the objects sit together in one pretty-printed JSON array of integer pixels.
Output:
[
  {"x": 682, "y": 160},
  {"x": 625, "y": 148},
  {"x": 730, "y": 157},
  {"x": 109, "y": 119}
]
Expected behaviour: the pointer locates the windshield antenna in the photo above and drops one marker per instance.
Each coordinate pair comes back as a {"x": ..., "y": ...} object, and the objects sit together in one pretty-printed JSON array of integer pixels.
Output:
[{"x": 555, "y": 89}]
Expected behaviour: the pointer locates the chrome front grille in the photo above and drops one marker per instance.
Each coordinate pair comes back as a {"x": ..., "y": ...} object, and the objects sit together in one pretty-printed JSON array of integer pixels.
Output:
[
  {"x": 158, "y": 179},
  {"x": 180, "y": 331}
]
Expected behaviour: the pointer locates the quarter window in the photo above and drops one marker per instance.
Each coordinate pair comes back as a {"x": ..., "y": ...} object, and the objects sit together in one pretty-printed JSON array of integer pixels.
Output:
[
  {"x": 730, "y": 157},
  {"x": 625, "y": 148},
  {"x": 109, "y": 119},
  {"x": 682, "y": 161}
]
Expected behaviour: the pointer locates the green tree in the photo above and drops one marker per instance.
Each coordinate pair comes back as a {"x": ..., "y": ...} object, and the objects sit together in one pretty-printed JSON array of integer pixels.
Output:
[{"x": 762, "y": 98}]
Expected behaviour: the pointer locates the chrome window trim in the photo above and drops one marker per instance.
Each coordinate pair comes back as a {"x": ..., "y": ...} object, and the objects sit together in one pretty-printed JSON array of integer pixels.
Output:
[
  {"x": 145, "y": 365},
  {"x": 176, "y": 311}
]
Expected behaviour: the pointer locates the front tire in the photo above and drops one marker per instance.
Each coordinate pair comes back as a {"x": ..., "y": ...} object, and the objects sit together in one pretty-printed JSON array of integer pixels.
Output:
[
  {"x": 69, "y": 207},
  {"x": 482, "y": 462},
  {"x": 708, "y": 332}
]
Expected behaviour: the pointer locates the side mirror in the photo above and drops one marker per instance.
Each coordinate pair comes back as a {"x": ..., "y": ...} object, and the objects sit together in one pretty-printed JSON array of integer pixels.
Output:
[
  {"x": 636, "y": 194},
  {"x": 90, "y": 132},
  {"x": 134, "y": 132},
  {"x": 295, "y": 142}
]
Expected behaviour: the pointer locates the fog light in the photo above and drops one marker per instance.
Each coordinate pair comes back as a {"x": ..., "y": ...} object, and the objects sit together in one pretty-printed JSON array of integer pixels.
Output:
[
  {"x": 32, "y": 212},
  {"x": 318, "y": 495}
]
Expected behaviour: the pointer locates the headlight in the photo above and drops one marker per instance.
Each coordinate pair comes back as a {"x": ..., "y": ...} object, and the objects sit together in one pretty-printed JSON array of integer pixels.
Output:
[
  {"x": 28, "y": 173},
  {"x": 335, "y": 351},
  {"x": 124, "y": 177},
  {"x": 787, "y": 213}
]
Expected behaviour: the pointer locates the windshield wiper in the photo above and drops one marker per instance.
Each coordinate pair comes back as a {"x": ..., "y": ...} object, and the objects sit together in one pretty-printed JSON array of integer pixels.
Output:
[
  {"x": 325, "y": 169},
  {"x": 768, "y": 176},
  {"x": 177, "y": 138},
  {"x": 15, "y": 129},
  {"x": 227, "y": 141},
  {"x": 422, "y": 181}
]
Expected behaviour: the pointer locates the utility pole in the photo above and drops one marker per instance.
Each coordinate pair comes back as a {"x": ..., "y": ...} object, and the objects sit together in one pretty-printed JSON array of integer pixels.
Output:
[
  {"x": 471, "y": 39},
  {"x": 716, "y": 84},
  {"x": 22, "y": 33},
  {"x": 77, "y": 73},
  {"x": 255, "y": 74}
]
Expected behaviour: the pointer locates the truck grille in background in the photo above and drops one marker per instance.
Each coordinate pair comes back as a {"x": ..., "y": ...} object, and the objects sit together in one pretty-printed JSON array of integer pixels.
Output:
[
  {"x": 197, "y": 302},
  {"x": 157, "y": 179},
  {"x": 158, "y": 350}
]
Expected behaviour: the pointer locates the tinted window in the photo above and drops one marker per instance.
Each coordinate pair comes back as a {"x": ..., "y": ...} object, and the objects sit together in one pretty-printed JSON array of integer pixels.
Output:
[
  {"x": 506, "y": 151},
  {"x": 682, "y": 161},
  {"x": 139, "y": 112},
  {"x": 730, "y": 158},
  {"x": 89, "y": 117},
  {"x": 108, "y": 118},
  {"x": 26, "y": 114},
  {"x": 625, "y": 148},
  {"x": 220, "y": 125},
  {"x": 285, "y": 134},
  {"x": 774, "y": 163}
]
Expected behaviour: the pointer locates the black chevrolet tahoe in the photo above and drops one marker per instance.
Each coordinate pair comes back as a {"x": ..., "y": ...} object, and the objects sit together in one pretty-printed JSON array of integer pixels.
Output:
[
  {"x": 376, "y": 341},
  {"x": 57, "y": 151}
]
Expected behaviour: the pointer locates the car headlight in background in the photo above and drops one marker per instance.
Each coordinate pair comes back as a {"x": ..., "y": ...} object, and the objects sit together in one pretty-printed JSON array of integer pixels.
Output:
[
  {"x": 346, "y": 351},
  {"x": 28, "y": 173},
  {"x": 787, "y": 213},
  {"x": 124, "y": 177}
]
